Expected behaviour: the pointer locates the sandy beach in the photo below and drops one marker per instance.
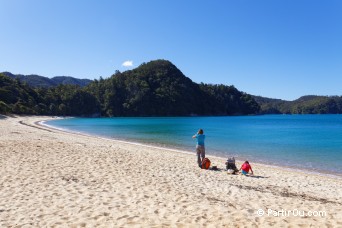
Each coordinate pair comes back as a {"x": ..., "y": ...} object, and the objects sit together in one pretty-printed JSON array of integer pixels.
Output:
[{"x": 51, "y": 178}]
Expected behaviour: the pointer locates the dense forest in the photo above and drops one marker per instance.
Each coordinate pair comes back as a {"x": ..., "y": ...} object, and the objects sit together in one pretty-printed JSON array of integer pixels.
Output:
[
  {"x": 41, "y": 81},
  {"x": 157, "y": 88},
  {"x": 303, "y": 105},
  {"x": 19, "y": 98}
]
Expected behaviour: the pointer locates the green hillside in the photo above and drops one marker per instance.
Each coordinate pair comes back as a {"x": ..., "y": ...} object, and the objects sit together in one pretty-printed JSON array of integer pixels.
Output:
[
  {"x": 304, "y": 105},
  {"x": 41, "y": 81},
  {"x": 157, "y": 88}
]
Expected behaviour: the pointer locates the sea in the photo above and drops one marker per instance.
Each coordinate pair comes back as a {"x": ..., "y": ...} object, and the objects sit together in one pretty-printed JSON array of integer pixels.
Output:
[{"x": 311, "y": 143}]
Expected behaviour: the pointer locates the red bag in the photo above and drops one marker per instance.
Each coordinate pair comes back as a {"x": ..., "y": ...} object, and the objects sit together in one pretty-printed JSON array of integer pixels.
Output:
[{"x": 206, "y": 163}]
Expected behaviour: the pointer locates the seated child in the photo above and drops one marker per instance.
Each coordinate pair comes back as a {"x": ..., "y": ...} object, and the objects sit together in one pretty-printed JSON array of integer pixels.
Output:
[
  {"x": 245, "y": 168},
  {"x": 230, "y": 165}
]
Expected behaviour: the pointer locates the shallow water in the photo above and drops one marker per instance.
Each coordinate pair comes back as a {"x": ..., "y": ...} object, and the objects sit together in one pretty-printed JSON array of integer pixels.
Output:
[{"x": 311, "y": 142}]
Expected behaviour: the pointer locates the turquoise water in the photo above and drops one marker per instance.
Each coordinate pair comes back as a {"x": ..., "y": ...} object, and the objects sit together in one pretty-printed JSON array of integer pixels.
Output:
[{"x": 312, "y": 142}]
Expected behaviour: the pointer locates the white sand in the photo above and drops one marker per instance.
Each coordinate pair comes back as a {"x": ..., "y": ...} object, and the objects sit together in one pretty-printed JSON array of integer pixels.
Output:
[{"x": 50, "y": 178}]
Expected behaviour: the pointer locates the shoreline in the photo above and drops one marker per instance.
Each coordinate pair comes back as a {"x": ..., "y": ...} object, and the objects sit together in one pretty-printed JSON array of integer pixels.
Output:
[
  {"x": 54, "y": 178},
  {"x": 275, "y": 166}
]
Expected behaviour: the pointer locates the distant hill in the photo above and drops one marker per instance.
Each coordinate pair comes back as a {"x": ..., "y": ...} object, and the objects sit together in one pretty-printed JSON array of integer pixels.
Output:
[
  {"x": 159, "y": 88},
  {"x": 156, "y": 88},
  {"x": 67, "y": 80},
  {"x": 21, "y": 98},
  {"x": 310, "y": 104},
  {"x": 41, "y": 81}
]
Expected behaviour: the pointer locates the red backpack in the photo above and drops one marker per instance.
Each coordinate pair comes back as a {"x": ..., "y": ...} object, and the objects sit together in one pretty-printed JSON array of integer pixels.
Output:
[{"x": 206, "y": 163}]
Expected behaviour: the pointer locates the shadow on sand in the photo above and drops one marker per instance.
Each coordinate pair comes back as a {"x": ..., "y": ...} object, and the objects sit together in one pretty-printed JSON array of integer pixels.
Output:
[
  {"x": 235, "y": 174},
  {"x": 2, "y": 117},
  {"x": 254, "y": 176}
]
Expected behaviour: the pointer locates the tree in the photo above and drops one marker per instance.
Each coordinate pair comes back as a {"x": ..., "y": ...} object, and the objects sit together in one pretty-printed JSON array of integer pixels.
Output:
[{"x": 4, "y": 108}]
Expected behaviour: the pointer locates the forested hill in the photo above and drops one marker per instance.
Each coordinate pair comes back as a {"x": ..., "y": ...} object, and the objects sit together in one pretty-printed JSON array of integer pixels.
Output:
[
  {"x": 303, "y": 105},
  {"x": 157, "y": 88},
  {"x": 41, "y": 81}
]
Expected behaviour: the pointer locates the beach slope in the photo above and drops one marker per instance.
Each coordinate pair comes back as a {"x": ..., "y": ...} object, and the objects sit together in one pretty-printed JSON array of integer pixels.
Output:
[{"x": 52, "y": 178}]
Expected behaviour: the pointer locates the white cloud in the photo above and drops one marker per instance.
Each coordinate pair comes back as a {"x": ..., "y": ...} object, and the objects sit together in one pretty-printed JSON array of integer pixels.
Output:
[{"x": 127, "y": 63}]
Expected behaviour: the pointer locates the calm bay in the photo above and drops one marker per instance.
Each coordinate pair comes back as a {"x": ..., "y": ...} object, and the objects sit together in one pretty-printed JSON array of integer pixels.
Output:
[{"x": 308, "y": 142}]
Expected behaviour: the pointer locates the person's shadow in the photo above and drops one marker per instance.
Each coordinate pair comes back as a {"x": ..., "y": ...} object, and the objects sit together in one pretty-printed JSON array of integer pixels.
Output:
[
  {"x": 254, "y": 176},
  {"x": 215, "y": 168}
]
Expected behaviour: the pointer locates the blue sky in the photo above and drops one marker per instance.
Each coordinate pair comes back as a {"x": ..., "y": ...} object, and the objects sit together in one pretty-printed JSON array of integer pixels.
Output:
[{"x": 274, "y": 48}]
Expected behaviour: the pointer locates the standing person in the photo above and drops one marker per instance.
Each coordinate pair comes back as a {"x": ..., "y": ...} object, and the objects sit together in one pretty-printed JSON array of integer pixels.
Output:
[
  {"x": 245, "y": 168},
  {"x": 200, "y": 149}
]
